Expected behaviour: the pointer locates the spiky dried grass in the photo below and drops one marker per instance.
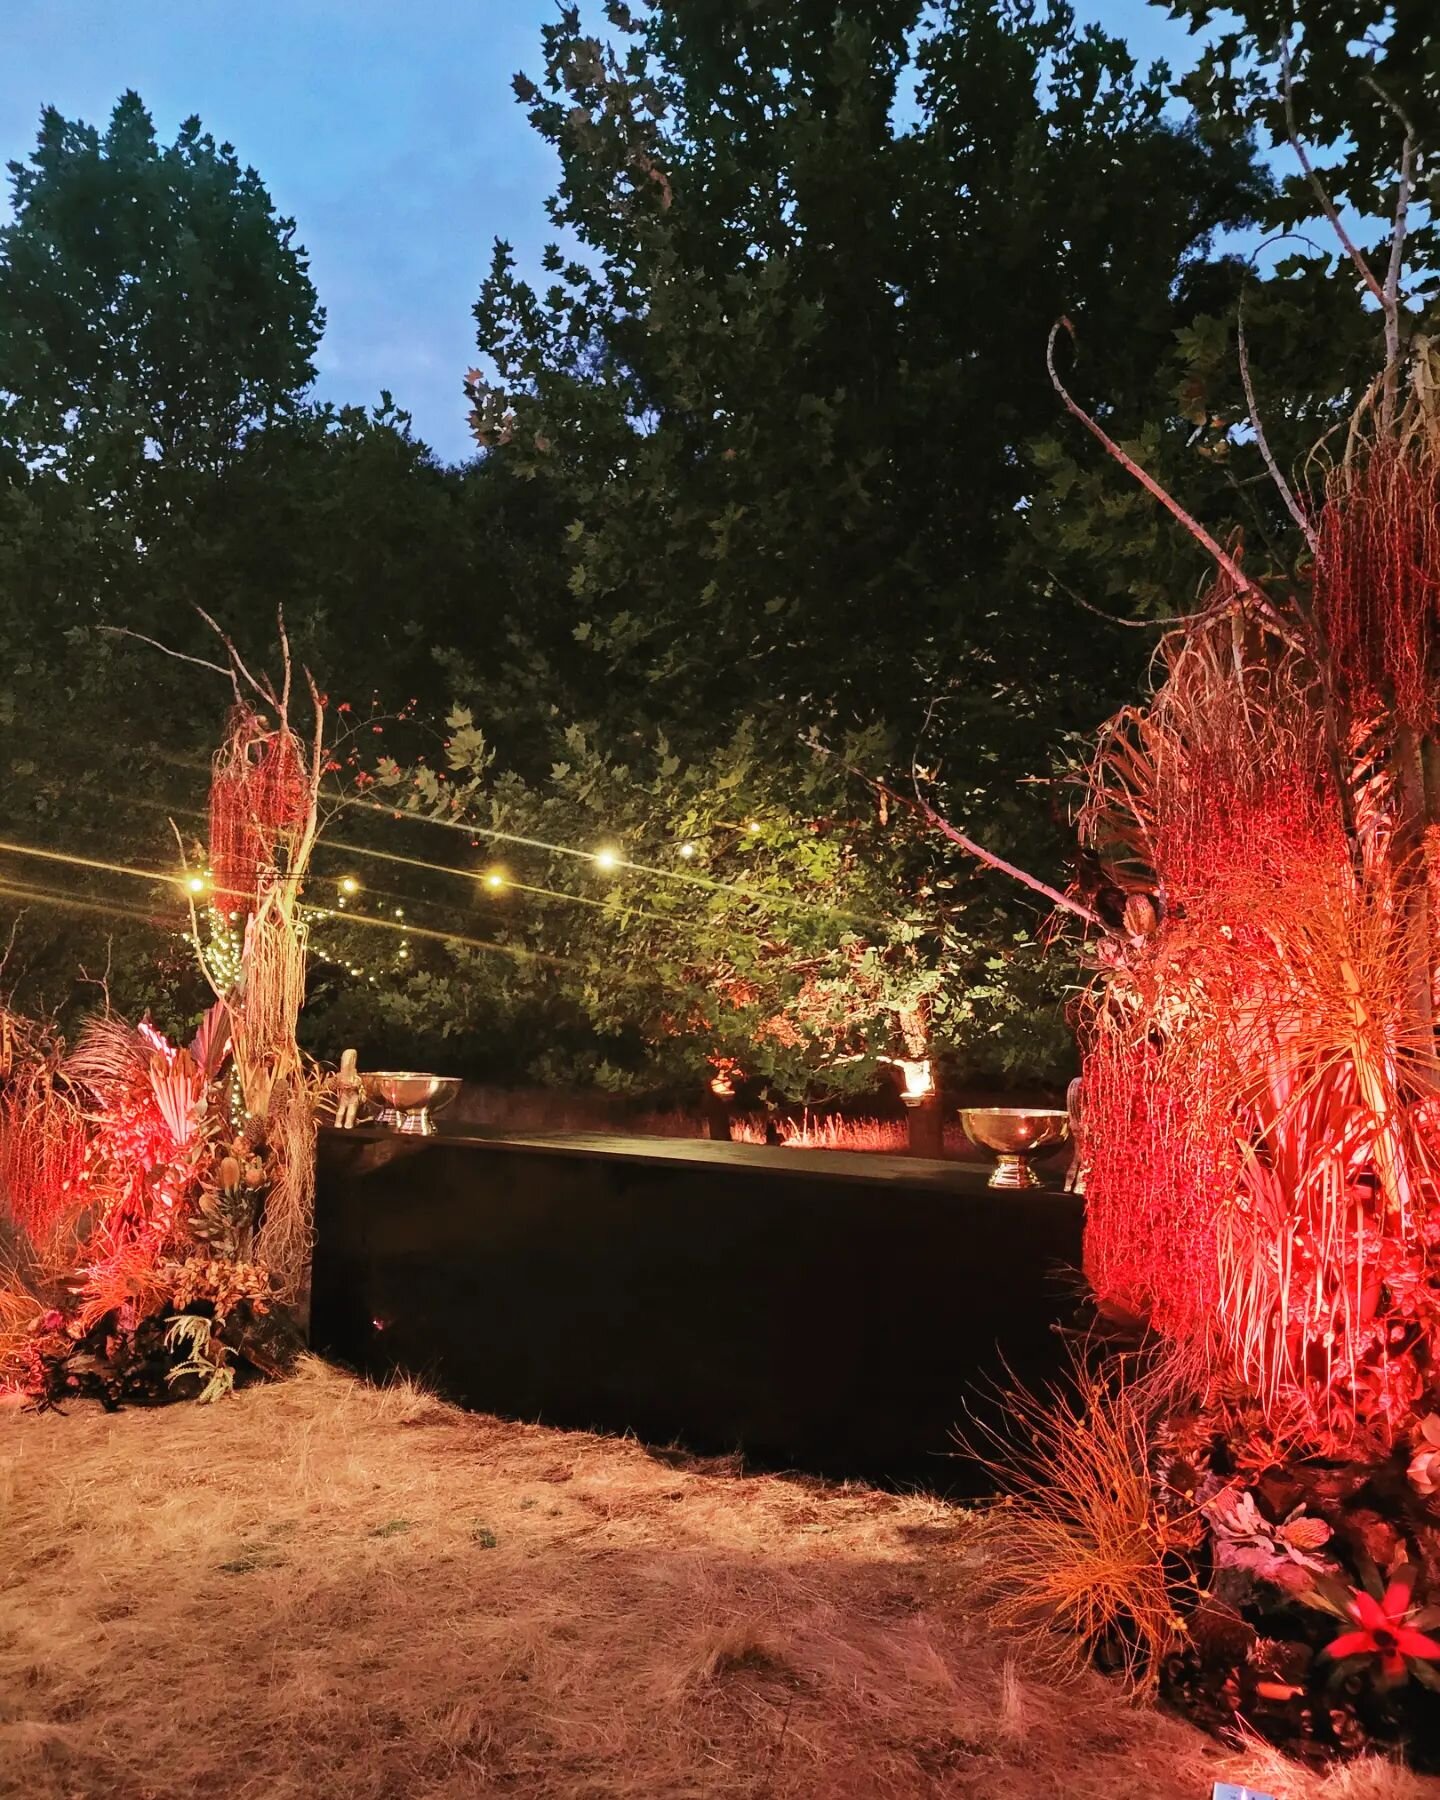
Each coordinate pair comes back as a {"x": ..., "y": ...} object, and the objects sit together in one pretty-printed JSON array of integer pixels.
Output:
[
  {"x": 321, "y": 1591},
  {"x": 1078, "y": 1544}
]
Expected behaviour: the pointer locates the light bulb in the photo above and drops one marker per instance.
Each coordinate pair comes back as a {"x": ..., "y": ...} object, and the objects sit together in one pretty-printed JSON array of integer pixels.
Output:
[
  {"x": 687, "y": 851},
  {"x": 349, "y": 885},
  {"x": 607, "y": 858},
  {"x": 495, "y": 879},
  {"x": 753, "y": 828},
  {"x": 196, "y": 884}
]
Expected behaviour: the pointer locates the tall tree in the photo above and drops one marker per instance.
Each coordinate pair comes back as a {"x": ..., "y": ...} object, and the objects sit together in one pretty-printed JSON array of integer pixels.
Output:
[
  {"x": 158, "y": 451},
  {"x": 153, "y": 305},
  {"x": 788, "y": 386}
]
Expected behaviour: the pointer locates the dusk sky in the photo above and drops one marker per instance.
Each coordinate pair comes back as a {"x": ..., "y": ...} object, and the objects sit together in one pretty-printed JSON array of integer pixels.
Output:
[{"x": 387, "y": 130}]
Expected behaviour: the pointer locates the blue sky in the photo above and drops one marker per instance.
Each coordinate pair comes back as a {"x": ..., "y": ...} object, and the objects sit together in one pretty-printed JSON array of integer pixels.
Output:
[{"x": 386, "y": 128}]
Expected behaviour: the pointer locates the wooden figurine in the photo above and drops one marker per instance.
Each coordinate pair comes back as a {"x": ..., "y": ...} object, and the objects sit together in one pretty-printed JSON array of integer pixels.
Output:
[{"x": 348, "y": 1090}]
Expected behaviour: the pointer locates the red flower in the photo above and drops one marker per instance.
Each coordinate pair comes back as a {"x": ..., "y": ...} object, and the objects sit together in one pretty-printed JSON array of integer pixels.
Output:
[{"x": 1383, "y": 1631}]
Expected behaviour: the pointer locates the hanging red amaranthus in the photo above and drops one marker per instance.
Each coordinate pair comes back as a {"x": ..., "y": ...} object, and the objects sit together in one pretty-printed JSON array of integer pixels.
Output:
[
  {"x": 260, "y": 798},
  {"x": 1377, "y": 585}
]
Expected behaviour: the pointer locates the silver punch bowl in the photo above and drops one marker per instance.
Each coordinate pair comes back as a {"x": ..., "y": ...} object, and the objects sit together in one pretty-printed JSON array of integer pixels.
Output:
[
  {"x": 1014, "y": 1134},
  {"x": 405, "y": 1098}
]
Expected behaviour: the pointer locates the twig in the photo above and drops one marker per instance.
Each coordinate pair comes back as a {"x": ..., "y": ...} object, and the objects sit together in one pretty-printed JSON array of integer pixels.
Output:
[
  {"x": 968, "y": 844},
  {"x": 1403, "y": 194},
  {"x": 1293, "y": 506},
  {"x": 1237, "y": 575},
  {"x": 284, "y": 636},
  {"x": 194, "y": 916},
  {"x": 1327, "y": 205},
  {"x": 1165, "y": 623},
  {"x": 198, "y": 662}
]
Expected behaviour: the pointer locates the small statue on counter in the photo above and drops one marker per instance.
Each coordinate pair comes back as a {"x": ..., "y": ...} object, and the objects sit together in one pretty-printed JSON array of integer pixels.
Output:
[{"x": 349, "y": 1090}]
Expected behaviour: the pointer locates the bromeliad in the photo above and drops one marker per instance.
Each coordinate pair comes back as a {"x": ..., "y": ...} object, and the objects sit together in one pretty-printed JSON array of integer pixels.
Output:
[{"x": 1386, "y": 1628}]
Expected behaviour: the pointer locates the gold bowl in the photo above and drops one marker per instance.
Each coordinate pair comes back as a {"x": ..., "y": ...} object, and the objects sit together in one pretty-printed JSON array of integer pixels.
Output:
[
  {"x": 404, "y": 1098},
  {"x": 1015, "y": 1134}
]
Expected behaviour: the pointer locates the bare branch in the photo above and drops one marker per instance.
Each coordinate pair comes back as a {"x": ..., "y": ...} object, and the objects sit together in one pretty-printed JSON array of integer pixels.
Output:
[
  {"x": 1162, "y": 624},
  {"x": 1242, "y": 582},
  {"x": 194, "y": 917},
  {"x": 284, "y": 658},
  {"x": 1293, "y": 506},
  {"x": 264, "y": 689},
  {"x": 197, "y": 662},
  {"x": 1327, "y": 205},
  {"x": 967, "y": 844},
  {"x": 1403, "y": 194}
]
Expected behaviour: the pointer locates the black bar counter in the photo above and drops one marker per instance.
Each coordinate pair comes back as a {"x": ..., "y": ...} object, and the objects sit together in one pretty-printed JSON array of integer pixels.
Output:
[{"x": 829, "y": 1311}]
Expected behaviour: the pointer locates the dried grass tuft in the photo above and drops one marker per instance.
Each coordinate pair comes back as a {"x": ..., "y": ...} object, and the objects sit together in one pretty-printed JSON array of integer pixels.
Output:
[
  {"x": 318, "y": 1590},
  {"x": 1078, "y": 1545}
]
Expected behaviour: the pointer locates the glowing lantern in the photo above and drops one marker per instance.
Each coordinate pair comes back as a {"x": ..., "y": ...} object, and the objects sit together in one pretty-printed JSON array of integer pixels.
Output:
[{"x": 919, "y": 1081}]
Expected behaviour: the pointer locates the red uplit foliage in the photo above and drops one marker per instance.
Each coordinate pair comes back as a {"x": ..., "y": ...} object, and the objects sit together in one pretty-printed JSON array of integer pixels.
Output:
[
  {"x": 1155, "y": 1187},
  {"x": 1376, "y": 592},
  {"x": 42, "y": 1155},
  {"x": 1262, "y": 1178}
]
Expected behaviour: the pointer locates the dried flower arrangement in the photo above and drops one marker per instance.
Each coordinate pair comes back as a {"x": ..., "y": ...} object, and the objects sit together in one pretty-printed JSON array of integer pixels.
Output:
[{"x": 155, "y": 1202}]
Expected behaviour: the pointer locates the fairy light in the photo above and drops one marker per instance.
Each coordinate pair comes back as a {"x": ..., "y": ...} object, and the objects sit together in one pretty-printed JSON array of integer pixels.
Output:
[
  {"x": 196, "y": 884},
  {"x": 753, "y": 828},
  {"x": 606, "y": 858},
  {"x": 349, "y": 885},
  {"x": 495, "y": 880},
  {"x": 224, "y": 950},
  {"x": 687, "y": 851}
]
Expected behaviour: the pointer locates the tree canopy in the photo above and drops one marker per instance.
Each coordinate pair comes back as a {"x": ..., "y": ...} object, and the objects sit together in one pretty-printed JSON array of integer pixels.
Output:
[
  {"x": 790, "y": 394},
  {"x": 768, "y": 457}
]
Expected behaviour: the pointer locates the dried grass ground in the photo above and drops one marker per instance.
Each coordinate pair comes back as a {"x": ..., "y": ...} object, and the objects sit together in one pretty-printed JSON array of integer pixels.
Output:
[{"x": 320, "y": 1589}]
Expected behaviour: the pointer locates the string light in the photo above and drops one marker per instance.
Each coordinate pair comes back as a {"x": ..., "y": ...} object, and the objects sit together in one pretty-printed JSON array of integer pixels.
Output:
[
  {"x": 223, "y": 952},
  {"x": 687, "y": 851},
  {"x": 196, "y": 884},
  {"x": 607, "y": 858},
  {"x": 349, "y": 885},
  {"x": 797, "y": 903},
  {"x": 753, "y": 828},
  {"x": 495, "y": 879}
]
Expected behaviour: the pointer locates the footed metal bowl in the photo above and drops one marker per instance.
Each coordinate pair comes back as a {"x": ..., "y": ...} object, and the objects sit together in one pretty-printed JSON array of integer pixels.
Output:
[
  {"x": 404, "y": 1098},
  {"x": 1014, "y": 1133}
]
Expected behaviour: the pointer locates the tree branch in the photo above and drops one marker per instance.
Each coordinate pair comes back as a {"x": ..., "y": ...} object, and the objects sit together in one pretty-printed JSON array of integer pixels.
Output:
[
  {"x": 978, "y": 851},
  {"x": 197, "y": 662},
  {"x": 1296, "y": 511},
  {"x": 1327, "y": 205},
  {"x": 1242, "y": 582}
]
